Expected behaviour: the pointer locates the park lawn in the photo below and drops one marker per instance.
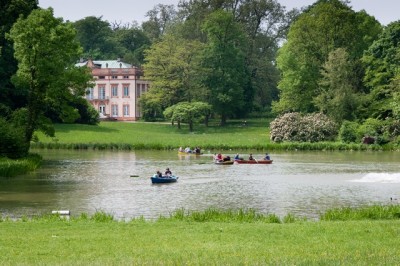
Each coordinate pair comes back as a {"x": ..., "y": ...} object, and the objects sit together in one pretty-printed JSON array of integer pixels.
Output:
[
  {"x": 164, "y": 135},
  {"x": 172, "y": 242}
]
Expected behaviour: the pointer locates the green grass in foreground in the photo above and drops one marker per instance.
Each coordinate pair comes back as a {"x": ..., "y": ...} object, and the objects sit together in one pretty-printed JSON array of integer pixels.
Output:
[
  {"x": 139, "y": 135},
  {"x": 180, "y": 241},
  {"x": 10, "y": 168}
]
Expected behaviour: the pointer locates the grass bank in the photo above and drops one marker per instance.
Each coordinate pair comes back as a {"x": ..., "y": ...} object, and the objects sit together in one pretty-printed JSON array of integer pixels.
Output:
[
  {"x": 133, "y": 136},
  {"x": 10, "y": 168},
  {"x": 209, "y": 238}
]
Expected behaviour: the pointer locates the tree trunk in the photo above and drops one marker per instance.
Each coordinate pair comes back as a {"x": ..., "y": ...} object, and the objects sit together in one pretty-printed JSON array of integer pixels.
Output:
[
  {"x": 190, "y": 125},
  {"x": 223, "y": 120}
]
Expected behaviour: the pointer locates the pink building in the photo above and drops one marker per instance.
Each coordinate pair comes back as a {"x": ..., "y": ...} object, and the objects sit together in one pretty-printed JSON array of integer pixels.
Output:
[{"x": 117, "y": 90}]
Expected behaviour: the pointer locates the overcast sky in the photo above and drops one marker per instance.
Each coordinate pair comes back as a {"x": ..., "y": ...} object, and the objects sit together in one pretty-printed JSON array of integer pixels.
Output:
[{"x": 385, "y": 11}]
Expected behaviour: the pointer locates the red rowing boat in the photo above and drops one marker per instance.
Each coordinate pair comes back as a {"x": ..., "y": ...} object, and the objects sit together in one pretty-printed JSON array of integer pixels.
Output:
[{"x": 253, "y": 161}]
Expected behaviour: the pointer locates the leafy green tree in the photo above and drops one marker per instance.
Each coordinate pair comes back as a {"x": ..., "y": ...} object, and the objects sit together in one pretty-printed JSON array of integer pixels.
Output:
[
  {"x": 382, "y": 61},
  {"x": 322, "y": 28},
  {"x": 265, "y": 23},
  {"x": 174, "y": 67},
  {"x": 161, "y": 17},
  {"x": 189, "y": 112},
  {"x": 224, "y": 61},
  {"x": 338, "y": 97},
  {"x": 46, "y": 50},
  {"x": 133, "y": 41},
  {"x": 10, "y": 11},
  {"x": 96, "y": 38},
  {"x": 151, "y": 105}
]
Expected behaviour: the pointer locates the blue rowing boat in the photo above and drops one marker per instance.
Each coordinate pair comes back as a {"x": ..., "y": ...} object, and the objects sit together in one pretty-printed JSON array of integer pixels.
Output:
[{"x": 165, "y": 179}]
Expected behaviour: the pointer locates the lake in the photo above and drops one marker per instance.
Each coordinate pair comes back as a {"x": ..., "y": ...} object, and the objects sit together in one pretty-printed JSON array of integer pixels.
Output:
[{"x": 118, "y": 182}]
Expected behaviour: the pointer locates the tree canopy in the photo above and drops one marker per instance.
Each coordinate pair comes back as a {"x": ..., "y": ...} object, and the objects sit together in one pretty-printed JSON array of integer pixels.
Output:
[
  {"x": 46, "y": 50},
  {"x": 323, "y": 27}
]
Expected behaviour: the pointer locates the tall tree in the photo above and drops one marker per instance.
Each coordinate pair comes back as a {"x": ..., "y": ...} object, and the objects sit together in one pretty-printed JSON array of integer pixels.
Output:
[
  {"x": 322, "y": 28},
  {"x": 224, "y": 60},
  {"x": 160, "y": 18},
  {"x": 173, "y": 66},
  {"x": 265, "y": 23},
  {"x": 382, "y": 61},
  {"x": 338, "y": 96},
  {"x": 46, "y": 50},
  {"x": 10, "y": 11},
  {"x": 133, "y": 42},
  {"x": 96, "y": 38}
]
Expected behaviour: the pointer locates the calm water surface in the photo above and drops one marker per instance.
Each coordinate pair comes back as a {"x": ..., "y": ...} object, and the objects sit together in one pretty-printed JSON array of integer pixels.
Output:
[{"x": 302, "y": 183}]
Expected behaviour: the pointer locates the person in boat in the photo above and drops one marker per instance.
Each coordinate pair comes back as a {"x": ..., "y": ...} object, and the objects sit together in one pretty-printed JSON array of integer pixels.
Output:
[
  {"x": 197, "y": 150},
  {"x": 219, "y": 157},
  {"x": 267, "y": 157},
  {"x": 181, "y": 149},
  {"x": 236, "y": 157},
  {"x": 168, "y": 172},
  {"x": 251, "y": 157},
  {"x": 227, "y": 158},
  {"x": 159, "y": 174},
  {"x": 188, "y": 150}
]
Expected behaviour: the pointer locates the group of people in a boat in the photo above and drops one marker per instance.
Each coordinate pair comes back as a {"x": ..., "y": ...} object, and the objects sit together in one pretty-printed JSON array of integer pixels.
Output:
[
  {"x": 220, "y": 158},
  {"x": 167, "y": 173},
  {"x": 196, "y": 150}
]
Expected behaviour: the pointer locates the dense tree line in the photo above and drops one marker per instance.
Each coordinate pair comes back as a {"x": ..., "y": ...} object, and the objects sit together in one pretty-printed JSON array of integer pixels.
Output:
[
  {"x": 344, "y": 64},
  {"x": 38, "y": 52}
]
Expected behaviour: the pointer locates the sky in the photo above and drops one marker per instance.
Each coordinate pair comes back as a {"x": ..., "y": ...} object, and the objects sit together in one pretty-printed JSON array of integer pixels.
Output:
[{"x": 127, "y": 11}]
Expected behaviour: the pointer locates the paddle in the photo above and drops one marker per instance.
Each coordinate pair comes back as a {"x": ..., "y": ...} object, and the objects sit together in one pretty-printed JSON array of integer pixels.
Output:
[{"x": 255, "y": 160}]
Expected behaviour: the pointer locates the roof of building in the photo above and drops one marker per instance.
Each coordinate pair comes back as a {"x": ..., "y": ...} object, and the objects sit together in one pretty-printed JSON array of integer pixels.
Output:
[{"x": 105, "y": 64}]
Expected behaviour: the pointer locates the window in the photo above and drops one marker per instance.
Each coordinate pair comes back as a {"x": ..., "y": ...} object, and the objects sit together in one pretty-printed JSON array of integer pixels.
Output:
[
  {"x": 126, "y": 77},
  {"x": 114, "y": 90},
  {"x": 102, "y": 93},
  {"x": 126, "y": 109},
  {"x": 138, "y": 91},
  {"x": 101, "y": 77},
  {"x": 90, "y": 93},
  {"x": 126, "y": 91},
  {"x": 114, "y": 110},
  {"x": 114, "y": 77},
  {"x": 102, "y": 109}
]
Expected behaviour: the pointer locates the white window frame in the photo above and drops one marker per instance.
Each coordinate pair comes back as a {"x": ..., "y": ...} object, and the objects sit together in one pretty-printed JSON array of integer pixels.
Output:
[
  {"x": 126, "y": 90},
  {"x": 114, "y": 110},
  {"x": 114, "y": 91},
  {"x": 102, "y": 93},
  {"x": 126, "y": 109}
]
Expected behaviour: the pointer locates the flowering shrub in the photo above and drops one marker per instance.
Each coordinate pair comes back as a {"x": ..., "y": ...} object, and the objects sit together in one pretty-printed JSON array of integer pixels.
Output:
[{"x": 296, "y": 127}]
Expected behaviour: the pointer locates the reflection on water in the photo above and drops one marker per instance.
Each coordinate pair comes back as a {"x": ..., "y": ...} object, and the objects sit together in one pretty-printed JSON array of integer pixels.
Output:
[{"x": 302, "y": 183}]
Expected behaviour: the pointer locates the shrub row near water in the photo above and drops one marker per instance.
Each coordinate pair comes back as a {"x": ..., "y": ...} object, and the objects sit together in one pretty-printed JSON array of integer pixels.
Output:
[
  {"x": 10, "y": 168},
  {"x": 289, "y": 146}
]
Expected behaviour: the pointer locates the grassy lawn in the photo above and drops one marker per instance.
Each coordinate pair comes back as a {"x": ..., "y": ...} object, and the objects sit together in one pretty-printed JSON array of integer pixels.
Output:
[
  {"x": 163, "y": 135},
  {"x": 139, "y": 135},
  {"x": 171, "y": 242}
]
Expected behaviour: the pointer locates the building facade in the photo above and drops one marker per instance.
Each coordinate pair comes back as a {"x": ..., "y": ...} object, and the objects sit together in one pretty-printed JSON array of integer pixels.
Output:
[{"x": 118, "y": 88}]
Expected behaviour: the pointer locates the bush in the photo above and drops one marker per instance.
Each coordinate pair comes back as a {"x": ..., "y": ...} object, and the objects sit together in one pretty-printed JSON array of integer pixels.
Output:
[
  {"x": 12, "y": 141},
  {"x": 309, "y": 128},
  {"x": 393, "y": 128},
  {"x": 348, "y": 132},
  {"x": 376, "y": 129}
]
